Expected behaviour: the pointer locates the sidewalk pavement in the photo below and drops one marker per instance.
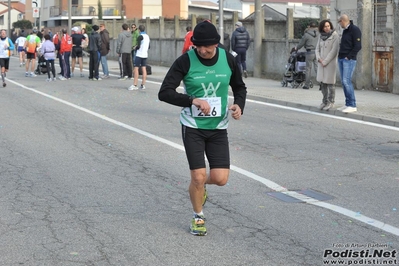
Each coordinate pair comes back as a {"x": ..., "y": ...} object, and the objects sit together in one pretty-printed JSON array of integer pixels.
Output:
[{"x": 373, "y": 106}]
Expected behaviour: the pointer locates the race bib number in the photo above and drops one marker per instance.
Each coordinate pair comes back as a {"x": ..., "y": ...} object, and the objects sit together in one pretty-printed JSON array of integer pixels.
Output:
[{"x": 216, "y": 108}]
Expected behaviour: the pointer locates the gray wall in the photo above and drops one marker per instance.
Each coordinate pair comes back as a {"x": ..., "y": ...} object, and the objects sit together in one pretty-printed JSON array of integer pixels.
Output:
[
  {"x": 167, "y": 41},
  {"x": 165, "y": 48},
  {"x": 275, "y": 54}
]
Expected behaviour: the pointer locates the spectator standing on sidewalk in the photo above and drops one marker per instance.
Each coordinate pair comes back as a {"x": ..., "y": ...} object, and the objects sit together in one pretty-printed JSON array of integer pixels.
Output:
[
  {"x": 188, "y": 44},
  {"x": 31, "y": 44},
  {"x": 326, "y": 55},
  {"x": 57, "y": 42},
  {"x": 143, "y": 44},
  {"x": 40, "y": 34},
  {"x": 6, "y": 48},
  {"x": 240, "y": 44},
  {"x": 77, "y": 50},
  {"x": 350, "y": 45},
  {"x": 309, "y": 41},
  {"x": 48, "y": 51},
  {"x": 123, "y": 49},
  {"x": 135, "y": 35},
  {"x": 65, "y": 53},
  {"x": 205, "y": 112},
  {"x": 226, "y": 41},
  {"x": 105, "y": 48},
  {"x": 85, "y": 42},
  {"x": 94, "y": 50}
]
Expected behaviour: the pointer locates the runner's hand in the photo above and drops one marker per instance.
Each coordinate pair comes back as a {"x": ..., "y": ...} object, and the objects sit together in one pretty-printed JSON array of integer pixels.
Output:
[
  {"x": 236, "y": 111},
  {"x": 202, "y": 105}
]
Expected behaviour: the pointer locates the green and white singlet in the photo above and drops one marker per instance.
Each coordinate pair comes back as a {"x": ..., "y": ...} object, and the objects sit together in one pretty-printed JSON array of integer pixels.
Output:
[{"x": 210, "y": 83}]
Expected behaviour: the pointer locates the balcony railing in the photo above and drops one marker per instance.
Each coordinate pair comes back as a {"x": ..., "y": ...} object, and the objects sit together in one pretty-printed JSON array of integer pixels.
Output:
[{"x": 56, "y": 11}]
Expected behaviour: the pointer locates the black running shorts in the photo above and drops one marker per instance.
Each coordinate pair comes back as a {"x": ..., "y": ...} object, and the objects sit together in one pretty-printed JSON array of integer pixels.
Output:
[
  {"x": 77, "y": 52},
  {"x": 4, "y": 62},
  {"x": 213, "y": 143},
  {"x": 30, "y": 55}
]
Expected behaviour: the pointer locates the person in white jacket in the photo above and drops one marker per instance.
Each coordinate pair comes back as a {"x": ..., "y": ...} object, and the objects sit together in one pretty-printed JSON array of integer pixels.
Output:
[{"x": 48, "y": 51}]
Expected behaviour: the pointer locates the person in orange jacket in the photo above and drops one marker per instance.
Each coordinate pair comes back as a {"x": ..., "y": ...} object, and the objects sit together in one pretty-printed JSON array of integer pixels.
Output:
[
  {"x": 65, "y": 53},
  {"x": 188, "y": 44}
]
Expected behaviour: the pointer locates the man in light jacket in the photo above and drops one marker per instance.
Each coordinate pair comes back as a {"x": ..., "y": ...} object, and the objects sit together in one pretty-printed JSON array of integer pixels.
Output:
[{"x": 123, "y": 49}]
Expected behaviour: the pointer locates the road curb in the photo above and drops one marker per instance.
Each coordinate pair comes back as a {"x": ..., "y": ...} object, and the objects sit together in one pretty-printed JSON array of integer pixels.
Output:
[{"x": 334, "y": 112}]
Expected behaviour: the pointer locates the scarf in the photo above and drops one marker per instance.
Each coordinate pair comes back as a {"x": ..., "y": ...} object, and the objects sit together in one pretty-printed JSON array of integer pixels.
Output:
[{"x": 325, "y": 35}]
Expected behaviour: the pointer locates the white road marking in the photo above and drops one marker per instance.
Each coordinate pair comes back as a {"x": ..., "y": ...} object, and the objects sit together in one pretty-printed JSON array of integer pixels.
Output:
[
  {"x": 326, "y": 115},
  {"x": 309, "y": 112},
  {"x": 270, "y": 184}
]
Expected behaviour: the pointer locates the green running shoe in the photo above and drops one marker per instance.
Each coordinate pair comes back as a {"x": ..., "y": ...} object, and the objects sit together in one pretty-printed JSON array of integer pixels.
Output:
[
  {"x": 205, "y": 196},
  {"x": 197, "y": 226}
]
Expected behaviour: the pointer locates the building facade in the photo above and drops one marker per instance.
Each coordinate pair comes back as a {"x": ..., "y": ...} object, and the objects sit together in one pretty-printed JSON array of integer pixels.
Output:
[
  {"x": 55, "y": 13},
  {"x": 247, "y": 7},
  {"x": 17, "y": 12}
]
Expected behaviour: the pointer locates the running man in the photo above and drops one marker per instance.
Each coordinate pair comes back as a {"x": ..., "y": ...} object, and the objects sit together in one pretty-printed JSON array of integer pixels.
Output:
[
  {"x": 6, "y": 46},
  {"x": 20, "y": 43},
  {"x": 207, "y": 73}
]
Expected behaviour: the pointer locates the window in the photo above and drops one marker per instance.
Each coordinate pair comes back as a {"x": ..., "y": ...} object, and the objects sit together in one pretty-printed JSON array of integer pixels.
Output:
[{"x": 2, "y": 20}]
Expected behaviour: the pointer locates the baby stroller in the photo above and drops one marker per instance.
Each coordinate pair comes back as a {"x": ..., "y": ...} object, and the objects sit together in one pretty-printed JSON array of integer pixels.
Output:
[
  {"x": 41, "y": 66},
  {"x": 295, "y": 70}
]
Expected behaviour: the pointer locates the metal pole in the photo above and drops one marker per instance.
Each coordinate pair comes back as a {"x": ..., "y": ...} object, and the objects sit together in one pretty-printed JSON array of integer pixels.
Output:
[
  {"x": 258, "y": 34},
  {"x": 221, "y": 32},
  {"x": 9, "y": 18},
  {"x": 69, "y": 16},
  {"x": 40, "y": 21}
]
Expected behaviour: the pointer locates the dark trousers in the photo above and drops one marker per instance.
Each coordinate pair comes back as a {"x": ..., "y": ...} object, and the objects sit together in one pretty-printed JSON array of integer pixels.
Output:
[
  {"x": 50, "y": 67},
  {"x": 127, "y": 65},
  {"x": 66, "y": 68},
  {"x": 120, "y": 66},
  {"x": 241, "y": 58},
  {"x": 133, "y": 56},
  {"x": 60, "y": 62},
  {"x": 94, "y": 63}
]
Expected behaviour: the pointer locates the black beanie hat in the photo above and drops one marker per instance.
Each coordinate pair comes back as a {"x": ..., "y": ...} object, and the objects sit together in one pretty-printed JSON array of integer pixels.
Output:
[{"x": 205, "y": 33}]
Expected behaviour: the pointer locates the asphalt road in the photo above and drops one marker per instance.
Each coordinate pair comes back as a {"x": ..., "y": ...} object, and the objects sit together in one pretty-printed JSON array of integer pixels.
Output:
[{"x": 93, "y": 174}]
